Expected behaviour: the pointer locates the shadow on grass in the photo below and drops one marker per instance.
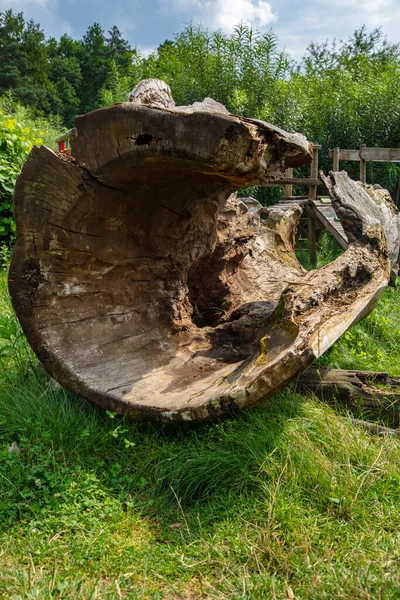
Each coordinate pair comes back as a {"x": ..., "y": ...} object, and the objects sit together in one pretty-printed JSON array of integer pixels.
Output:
[{"x": 58, "y": 436}]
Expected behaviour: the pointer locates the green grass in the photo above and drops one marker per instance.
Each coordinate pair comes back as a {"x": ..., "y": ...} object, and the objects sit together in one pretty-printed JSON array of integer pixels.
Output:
[
  {"x": 374, "y": 343},
  {"x": 286, "y": 499}
]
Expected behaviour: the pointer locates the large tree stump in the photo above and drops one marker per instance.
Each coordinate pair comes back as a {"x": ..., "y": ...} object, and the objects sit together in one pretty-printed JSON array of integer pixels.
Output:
[{"x": 144, "y": 285}]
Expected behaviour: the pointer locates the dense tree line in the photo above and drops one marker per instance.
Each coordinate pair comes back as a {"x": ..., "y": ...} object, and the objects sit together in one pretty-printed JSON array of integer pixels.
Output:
[
  {"x": 63, "y": 76},
  {"x": 340, "y": 94}
]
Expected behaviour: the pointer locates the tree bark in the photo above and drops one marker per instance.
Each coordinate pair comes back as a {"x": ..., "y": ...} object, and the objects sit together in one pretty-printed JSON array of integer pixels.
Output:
[
  {"x": 376, "y": 394},
  {"x": 144, "y": 285}
]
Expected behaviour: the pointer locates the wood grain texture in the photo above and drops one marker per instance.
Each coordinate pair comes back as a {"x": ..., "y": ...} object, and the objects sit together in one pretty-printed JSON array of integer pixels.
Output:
[
  {"x": 144, "y": 285},
  {"x": 380, "y": 154},
  {"x": 365, "y": 153},
  {"x": 152, "y": 92},
  {"x": 360, "y": 206}
]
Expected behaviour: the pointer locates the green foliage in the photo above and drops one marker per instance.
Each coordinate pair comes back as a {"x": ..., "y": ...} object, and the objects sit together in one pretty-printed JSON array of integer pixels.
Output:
[
  {"x": 240, "y": 70},
  {"x": 16, "y": 64},
  {"x": 348, "y": 95},
  {"x": 117, "y": 87},
  {"x": 57, "y": 77},
  {"x": 19, "y": 132},
  {"x": 327, "y": 251},
  {"x": 16, "y": 357}
]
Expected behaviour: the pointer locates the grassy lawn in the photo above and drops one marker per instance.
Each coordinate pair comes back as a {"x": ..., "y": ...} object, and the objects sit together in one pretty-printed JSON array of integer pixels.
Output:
[{"x": 288, "y": 500}]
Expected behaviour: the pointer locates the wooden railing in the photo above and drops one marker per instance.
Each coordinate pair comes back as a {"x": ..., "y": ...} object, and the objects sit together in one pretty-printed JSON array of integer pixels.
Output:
[{"x": 363, "y": 155}]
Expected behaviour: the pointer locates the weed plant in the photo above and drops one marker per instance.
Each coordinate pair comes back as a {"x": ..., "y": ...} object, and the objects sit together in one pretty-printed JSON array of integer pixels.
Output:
[{"x": 288, "y": 500}]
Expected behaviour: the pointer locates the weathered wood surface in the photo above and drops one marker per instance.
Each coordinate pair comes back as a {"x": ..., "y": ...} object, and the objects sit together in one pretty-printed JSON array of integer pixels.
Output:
[
  {"x": 325, "y": 214},
  {"x": 360, "y": 207},
  {"x": 152, "y": 92},
  {"x": 376, "y": 394},
  {"x": 366, "y": 153},
  {"x": 145, "y": 286},
  {"x": 346, "y": 154},
  {"x": 377, "y": 429},
  {"x": 297, "y": 181},
  {"x": 380, "y": 154}
]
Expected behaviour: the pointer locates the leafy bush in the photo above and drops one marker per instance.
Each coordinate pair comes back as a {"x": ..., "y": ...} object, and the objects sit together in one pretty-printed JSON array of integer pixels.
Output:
[
  {"x": 19, "y": 132},
  {"x": 16, "y": 357}
]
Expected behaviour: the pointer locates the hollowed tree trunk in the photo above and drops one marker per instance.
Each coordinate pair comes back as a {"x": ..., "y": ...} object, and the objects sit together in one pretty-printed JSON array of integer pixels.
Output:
[{"x": 143, "y": 285}]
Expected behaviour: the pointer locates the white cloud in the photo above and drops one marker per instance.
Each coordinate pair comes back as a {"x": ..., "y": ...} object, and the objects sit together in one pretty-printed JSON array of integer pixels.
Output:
[
  {"x": 224, "y": 14},
  {"x": 146, "y": 50},
  {"x": 321, "y": 20},
  {"x": 374, "y": 13}
]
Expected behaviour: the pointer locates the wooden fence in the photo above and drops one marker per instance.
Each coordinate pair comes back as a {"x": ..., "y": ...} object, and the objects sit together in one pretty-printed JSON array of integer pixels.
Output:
[{"x": 363, "y": 155}]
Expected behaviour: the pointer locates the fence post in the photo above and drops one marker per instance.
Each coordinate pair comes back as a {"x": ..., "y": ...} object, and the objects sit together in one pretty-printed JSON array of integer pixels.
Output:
[
  {"x": 312, "y": 190},
  {"x": 312, "y": 194},
  {"x": 335, "y": 154},
  {"x": 363, "y": 167},
  {"x": 288, "y": 186}
]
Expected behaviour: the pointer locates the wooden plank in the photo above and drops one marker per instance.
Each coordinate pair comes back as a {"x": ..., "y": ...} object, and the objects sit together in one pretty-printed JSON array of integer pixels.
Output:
[
  {"x": 365, "y": 153},
  {"x": 312, "y": 236},
  {"x": 312, "y": 190},
  {"x": 346, "y": 154},
  {"x": 381, "y": 154},
  {"x": 295, "y": 198},
  {"x": 294, "y": 180},
  {"x": 326, "y": 215},
  {"x": 336, "y": 158}
]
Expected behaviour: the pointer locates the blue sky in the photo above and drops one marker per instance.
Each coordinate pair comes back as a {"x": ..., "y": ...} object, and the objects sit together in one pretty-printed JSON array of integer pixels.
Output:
[{"x": 147, "y": 23}]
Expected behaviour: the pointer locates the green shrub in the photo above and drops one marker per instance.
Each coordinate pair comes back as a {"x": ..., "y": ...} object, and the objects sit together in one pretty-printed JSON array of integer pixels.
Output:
[{"x": 19, "y": 132}]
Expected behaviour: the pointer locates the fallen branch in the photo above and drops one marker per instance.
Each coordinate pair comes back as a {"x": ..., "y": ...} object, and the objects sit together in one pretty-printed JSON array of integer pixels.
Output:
[
  {"x": 367, "y": 392},
  {"x": 375, "y": 428}
]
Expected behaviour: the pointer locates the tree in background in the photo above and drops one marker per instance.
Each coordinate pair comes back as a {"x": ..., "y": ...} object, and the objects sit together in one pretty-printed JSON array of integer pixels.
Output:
[
  {"x": 65, "y": 77},
  {"x": 20, "y": 56},
  {"x": 342, "y": 94},
  {"x": 240, "y": 70},
  {"x": 58, "y": 77},
  {"x": 349, "y": 94}
]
